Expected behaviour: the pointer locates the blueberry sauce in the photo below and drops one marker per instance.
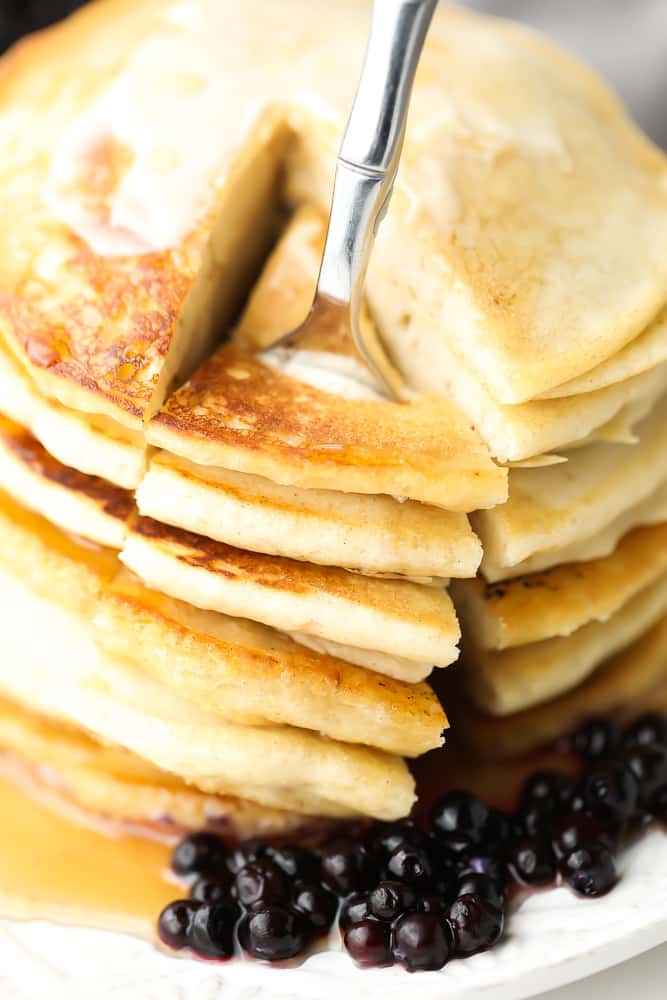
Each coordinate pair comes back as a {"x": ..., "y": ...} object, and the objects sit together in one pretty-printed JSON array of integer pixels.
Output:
[{"x": 399, "y": 893}]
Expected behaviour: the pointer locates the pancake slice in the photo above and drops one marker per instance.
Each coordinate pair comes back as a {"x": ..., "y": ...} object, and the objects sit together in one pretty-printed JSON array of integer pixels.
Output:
[
  {"x": 95, "y": 445},
  {"x": 504, "y": 682},
  {"x": 644, "y": 352},
  {"x": 245, "y": 671},
  {"x": 372, "y": 534},
  {"x": 556, "y": 506},
  {"x": 558, "y": 601},
  {"x": 253, "y": 674},
  {"x": 84, "y": 505},
  {"x": 402, "y": 620},
  {"x": 632, "y": 681},
  {"x": 59, "y": 671},
  {"x": 240, "y": 412},
  {"x": 112, "y": 784}
]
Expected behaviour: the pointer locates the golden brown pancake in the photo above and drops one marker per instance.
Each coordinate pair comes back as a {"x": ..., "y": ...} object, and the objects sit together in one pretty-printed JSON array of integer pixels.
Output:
[
  {"x": 112, "y": 783},
  {"x": 560, "y": 600},
  {"x": 401, "y": 619},
  {"x": 372, "y": 534},
  {"x": 507, "y": 681},
  {"x": 630, "y": 682},
  {"x": 245, "y": 671},
  {"x": 84, "y": 505}
]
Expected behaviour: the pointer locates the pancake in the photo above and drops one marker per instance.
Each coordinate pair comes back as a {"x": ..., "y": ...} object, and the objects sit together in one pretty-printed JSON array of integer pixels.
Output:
[
  {"x": 556, "y": 506},
  {"x": 90, "y": 443},
  {"x": 633, "y": 681},
  {"x": 401, "y": 620},
  {"x": 558, "y": 601},
  {"x": 245, "y": 671},
  {"x": 241, "y": 412},
  {"x": 84, "y": 505},
  {"x": 644, "y": 352},
  {"x": 319, "y": 526},
  {"x": 114, "y": 785},
  {"x": 601, "y": 543},
  {"x": 58, "y": 670},
  {"x": 505, "y": 682},
  {"x": 251, "y": 674}
]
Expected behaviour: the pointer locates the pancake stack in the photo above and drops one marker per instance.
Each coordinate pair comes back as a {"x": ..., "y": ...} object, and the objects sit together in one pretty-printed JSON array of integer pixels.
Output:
[{"x": 226, "y": 566}]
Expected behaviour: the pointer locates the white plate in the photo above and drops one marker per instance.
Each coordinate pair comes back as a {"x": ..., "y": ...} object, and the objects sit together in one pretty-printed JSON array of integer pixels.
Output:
[{"x": 553, "y": 939}]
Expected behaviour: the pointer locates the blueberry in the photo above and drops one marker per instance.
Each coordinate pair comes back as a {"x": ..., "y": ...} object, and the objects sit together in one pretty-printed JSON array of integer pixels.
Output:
[
  {"x": 384, "y": 838},
  {"x": 175, "y": 923},
  {"x": 389, "y": 899},
  {"x": 481, "y": 885},
  {"x": 648, "y": 763},
  {"x": 295, "y": 862},
  {"x": 492, "y": 866},
  {"x": 354, "y": 910},
  {"x": 547, "y": 791},
  {"x": 531, "y": 863},
  {"x": 212, "y": 932},
  {"x": 610, "y": 792},
  {"x": 261, "y": 884},
  {"x": 433, "y": 903},
  {"x": 421, "y": 941},
  {"x": 245, "y": 854},
  {"x": 199, "y": 854},
  {"x": 347, "y": 866},
  {"x": 272, "y": 934},
  {"x": 409, "y": 864},
  {"x": 596, "y": 738},
  {"x": 459, "y": 817},
  {"x": 368, "y": 943},
  {"x": 316, "y": 905},
  {"x": 648, "y": 730},
  {"x": 219, "y": 889},
  {"x": 476, "y": 924},
  {"x": 590, "y": 871},
  {"x": 579, "y": 830}
]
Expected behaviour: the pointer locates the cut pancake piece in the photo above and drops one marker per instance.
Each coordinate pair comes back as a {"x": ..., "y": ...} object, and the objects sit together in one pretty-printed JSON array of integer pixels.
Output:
[
  {"x": 104, "y": 319},
  {"x": 399, "y": 667},
  {"x": 250, "y": 673},
  {"x": 644, "y": 352},
  {"x": 92, "y": 444},
  {"x": 396, "y": 618},
  {"x": 632, "y": 681},
  {"x": 504, "y": 682},
  {"x": 558, "y": 601},
  {"x": 602, "y": 543},
  {"x": 58, "y": 670},
  {"x": 115, "y": 785},
  {"x": 239, "y": 411},
  {"x": 555, "y": 506},
  {"x": 245, "y": 671},
  {"x": 84, "y": 505},
  {"x": 373, "y": 534}
]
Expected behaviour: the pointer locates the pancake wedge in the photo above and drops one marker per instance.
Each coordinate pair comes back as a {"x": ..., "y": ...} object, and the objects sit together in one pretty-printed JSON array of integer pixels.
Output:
[
  {"x": 319, "y": 526},
  {"x": 113, "y": 784},
  {"x": 558, "y": 601},
  {"x": 58, "y": 670},
  {"x": 249, "y": 673},
  {"x": 556, "y": 506},
  {"x": 84, "y": 505},
  {"x": 632, "y": 681},
  {"x": 90, "y": 443},
  {"x": 241, "y": 412},
  {"x": 508, "y": 681},
  {"x": 397, "y": 618}
]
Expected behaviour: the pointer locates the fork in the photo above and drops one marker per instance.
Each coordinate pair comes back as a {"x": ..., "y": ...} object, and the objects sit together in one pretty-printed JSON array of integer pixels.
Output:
[{"x": 365, "y": 172}]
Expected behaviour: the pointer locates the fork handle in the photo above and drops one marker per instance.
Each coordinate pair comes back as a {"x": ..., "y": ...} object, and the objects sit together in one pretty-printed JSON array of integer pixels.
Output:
[{"x": 371, "y": 148}]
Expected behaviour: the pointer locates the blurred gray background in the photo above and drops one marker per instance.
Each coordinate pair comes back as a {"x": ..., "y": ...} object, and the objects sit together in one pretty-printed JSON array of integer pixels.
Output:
[{"x": 625, "y": 39}]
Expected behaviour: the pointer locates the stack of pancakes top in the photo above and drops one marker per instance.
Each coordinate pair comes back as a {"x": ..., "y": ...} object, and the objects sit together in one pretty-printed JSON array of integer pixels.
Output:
[{"x": 237, "y": 554}]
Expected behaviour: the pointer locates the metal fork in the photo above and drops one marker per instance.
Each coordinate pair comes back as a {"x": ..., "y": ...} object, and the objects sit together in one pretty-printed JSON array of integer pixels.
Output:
[{"x": 367, "y": 164}]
